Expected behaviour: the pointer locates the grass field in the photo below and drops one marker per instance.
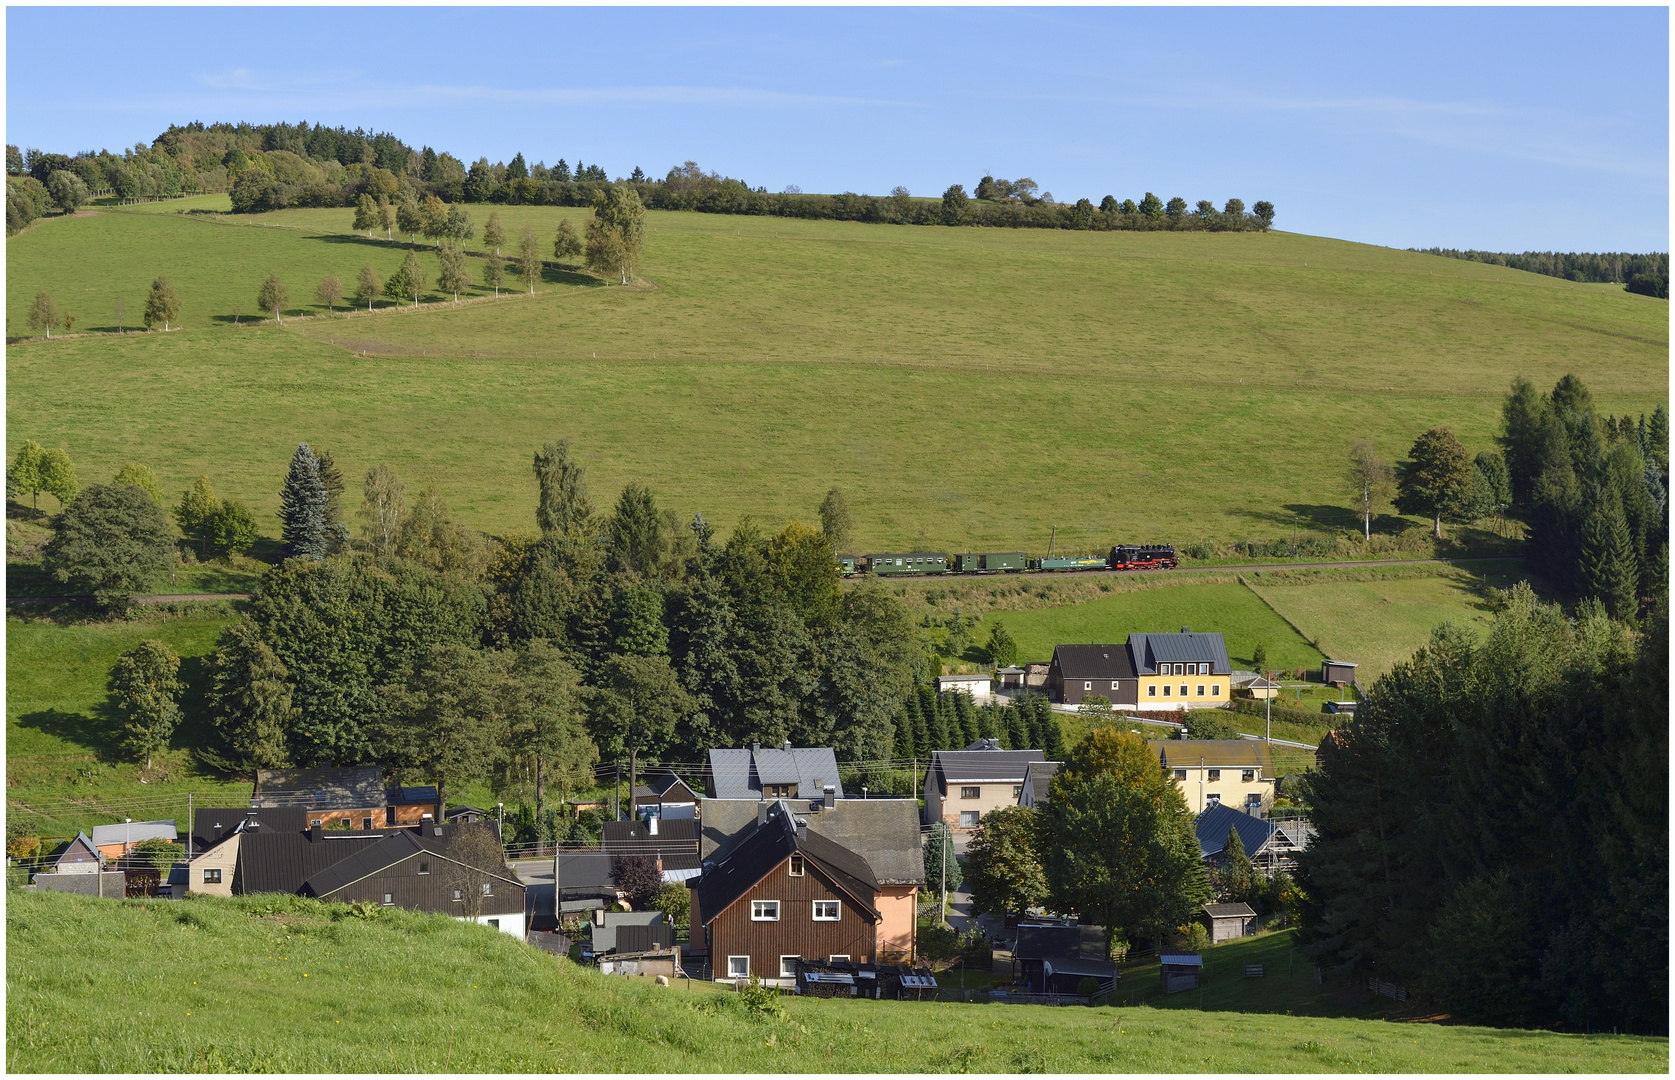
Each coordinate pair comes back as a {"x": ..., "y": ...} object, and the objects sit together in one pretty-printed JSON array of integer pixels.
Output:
[
  {"x": 219, "y": 985},
  {"x": 967, "y": 388}
]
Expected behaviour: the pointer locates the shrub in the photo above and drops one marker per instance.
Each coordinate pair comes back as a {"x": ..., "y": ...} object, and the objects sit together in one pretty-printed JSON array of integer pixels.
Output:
[
  {"x": 23, "y": 847},
  {"x": 674, "y": 900},
  {"x": 761, "y": 1002},
  {"x": 161, "y": 853}
]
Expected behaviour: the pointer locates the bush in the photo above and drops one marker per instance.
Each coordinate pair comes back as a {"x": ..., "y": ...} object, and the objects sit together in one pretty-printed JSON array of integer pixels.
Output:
[
  {"x": 23, "y": 847},
  {"x": 1209, "y": 724},
  {"x": 674, "y": 900},
  {"x": 1191, "y": 938},
  {"x": 161, "y": 853}
]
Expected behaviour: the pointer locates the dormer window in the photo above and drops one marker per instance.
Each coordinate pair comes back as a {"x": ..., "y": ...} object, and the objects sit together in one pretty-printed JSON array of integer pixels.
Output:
[{"x": 796, "y": 866}]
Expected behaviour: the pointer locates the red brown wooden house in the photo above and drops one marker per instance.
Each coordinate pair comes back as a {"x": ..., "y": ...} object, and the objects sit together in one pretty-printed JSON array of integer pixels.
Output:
[{"x": 784, "y": 893}]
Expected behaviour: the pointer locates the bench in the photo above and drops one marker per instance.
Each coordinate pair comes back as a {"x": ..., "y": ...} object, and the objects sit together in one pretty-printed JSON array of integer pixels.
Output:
[{"x": 1253, "y": 971}]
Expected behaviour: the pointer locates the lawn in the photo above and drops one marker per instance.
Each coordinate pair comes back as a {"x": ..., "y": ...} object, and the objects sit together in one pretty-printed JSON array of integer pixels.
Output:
[
  {"x": 65, "y": 769},
  {"x": 1228, "y": 608},
  {"x": 404, "y": 992},
  {"x": 1377, "y": 623},
  {"x": 967, "y": 388}
]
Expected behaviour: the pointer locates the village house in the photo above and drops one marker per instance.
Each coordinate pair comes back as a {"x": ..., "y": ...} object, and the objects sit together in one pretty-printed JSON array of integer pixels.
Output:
[
  {"x": 80, "y": 857},
  {"x": 1212, "y": 772},
  {"x": 1150, "y": 672},
  {"x": 963, "y": 785},
  {"x": 457, "y": 870},
  {"x": 411, "y": 805},
  {"x": 979, "y": 687},
  {"x": 116, "y": 841},
  {"x": 783, "y": 772},
  {"x": 806, "y": 879},
  {"x": 216, "y": 832},
  {"x": 665, "y": 795},
  {"x": 673, "y": 843},
  {"x": 1038, "y": 776},
  {"x": 334, "y": 798}
]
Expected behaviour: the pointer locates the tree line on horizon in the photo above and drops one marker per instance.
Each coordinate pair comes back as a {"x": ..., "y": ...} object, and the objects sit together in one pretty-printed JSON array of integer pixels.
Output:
[{"x": 1647, "y": 274}]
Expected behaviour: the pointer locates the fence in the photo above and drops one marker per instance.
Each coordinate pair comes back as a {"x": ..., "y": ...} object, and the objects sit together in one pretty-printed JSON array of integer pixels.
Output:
[{"x": 1389, "y": 990}]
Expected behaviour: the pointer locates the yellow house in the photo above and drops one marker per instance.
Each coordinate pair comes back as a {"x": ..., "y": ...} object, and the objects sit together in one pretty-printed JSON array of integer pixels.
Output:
[
  {"x": 1227, "y": 772},
  {"x": 1161, "y": 672}
]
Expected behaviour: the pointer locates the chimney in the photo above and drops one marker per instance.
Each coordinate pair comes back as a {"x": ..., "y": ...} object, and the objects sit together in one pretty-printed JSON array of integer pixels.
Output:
[
  {"x": 598, "y": 916},
  {"x": 1184, "y": 630},
  {"x": 830, "y": 798},
  {"x": 755, "y": 746},
  {"x": 802, "y": 829},
  {"x": 787, "y": 746},
  {"x": 314, "y": 832}
]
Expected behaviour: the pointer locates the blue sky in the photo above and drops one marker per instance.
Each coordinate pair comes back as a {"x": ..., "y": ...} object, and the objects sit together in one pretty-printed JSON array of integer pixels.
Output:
[{"x": 1496, "y": 128}]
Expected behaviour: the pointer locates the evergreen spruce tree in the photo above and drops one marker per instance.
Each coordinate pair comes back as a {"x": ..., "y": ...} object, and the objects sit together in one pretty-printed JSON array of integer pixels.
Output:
[
  {"x": 921, "y": 729},
  {"x": 1608, "y": 569},
  {"x": 1235, "y": 877},
  {"x": 904, "y": 731},
  {"x": 304, "y": 508}
]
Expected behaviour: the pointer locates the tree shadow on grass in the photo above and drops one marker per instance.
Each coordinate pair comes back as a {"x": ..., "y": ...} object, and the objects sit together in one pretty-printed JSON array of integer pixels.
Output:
[{"x": 98, "y": 734}]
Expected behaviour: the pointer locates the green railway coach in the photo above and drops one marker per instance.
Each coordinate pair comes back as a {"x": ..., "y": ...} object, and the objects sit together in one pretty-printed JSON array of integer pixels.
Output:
[
  {"x": 916, "y": 562},
  {"x": 991, "y": 562}
]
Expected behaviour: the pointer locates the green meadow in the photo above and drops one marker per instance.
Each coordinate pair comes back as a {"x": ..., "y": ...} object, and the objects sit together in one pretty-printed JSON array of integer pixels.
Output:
[
  {"x": 276, "y": 984},
  {"x": 967, "y": 388}
]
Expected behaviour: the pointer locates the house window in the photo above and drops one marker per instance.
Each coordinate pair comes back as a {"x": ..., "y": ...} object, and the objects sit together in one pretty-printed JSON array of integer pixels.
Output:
[
  {"x": 459, "y": 896},
  {"x": 495, "y": 923},
  {"x": 1151, "y": 690},
  {"x": 1203, "y": 669},
  {"x": 1113, "y": 684},
  {"x": 1087, "y": 686},
  {"x": 1215, "y": 689},
  {"x": 827, "y": 910},
  {"x": 968, "y": 819},
  {"x": 1017, "y": 791},
  {"x": 788, "y": 967},
  {"x": 738, "y": 967},
  {"x": 366, "y": 823},
  {"x": 488, "y": 888},
  {"x": 1166, "y": 689},
  {"x": 1248, "y": 776},
  {"x": 1180, "y": 774},
  {"x": 1200, "y": 689},
  {"x": 1212, "y": 799},
  {"x": 782, "y": 791},
  {"x": 424, "y": 867},
  {"x": 1215, "y": 774},
  {"x": 838, "y": 958},
  {"x": 971, "y": 793},
  {"x": 212, "y": 875},
  {"x": 764, "y": 911},
  {"x": 388, "y": 899},
  {"x": 1183, "y": 691},
  {"x": 1253, "y": 802},
  {"x": 796, "y": 866}
]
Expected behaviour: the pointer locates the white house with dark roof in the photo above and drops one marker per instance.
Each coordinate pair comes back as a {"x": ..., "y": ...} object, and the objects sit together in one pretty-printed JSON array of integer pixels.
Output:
[
  {"x": 963, "y": 785},
  {"x": 1188, "y": 670},
  {"x": 782, "y": 772},
  {"x": 1038, "y": 775}
]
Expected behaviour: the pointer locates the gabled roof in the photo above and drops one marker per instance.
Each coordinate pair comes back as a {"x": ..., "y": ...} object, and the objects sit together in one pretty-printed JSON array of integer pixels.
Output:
[
  {"x": 1214, "y": 754},
  {"x": 954, "y": 766},
  {"x": 768, "y": 846},
  {"x": 398, "y": 846},
  {"x": 1149, "y": 650},
  {"x": 1214, "y": 823},
  {"x": 213, "y": 824},
  {"x": 1093, "y": 661},
  {"x": 586, "y": 872},
  {"x": 659, "y": 785},
  {"x": 740, "y": 774},
  {"x": 884, "y": 832},
  {"x": 1229, "y": 911},
  {"x": 605, "y": 937},
  {"x": 1038, "y": 775},
  {"x": 81, "y": 846},
  {"x": 320, "y": 789},
  {"x": 676, "y": 842},
  {"x": 133, "y": 832},
  {"x": 282, "y": 861}
]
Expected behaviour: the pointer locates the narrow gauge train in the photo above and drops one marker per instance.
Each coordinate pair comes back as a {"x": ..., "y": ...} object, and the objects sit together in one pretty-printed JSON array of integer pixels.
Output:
[{"x": 920, "y": 563}]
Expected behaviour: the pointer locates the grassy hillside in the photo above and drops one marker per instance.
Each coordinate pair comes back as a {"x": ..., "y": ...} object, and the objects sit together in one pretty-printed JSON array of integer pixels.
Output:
[
  {"x": 275, "y": 985},
  {"x": 966, "y": 387}
]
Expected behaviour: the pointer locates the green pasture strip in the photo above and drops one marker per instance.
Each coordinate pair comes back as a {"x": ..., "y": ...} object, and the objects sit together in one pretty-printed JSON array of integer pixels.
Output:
[
  {"x": 65, "y": 766},
  {"x": 306, "y": 988},
  {"x": 969, "y": 388}
]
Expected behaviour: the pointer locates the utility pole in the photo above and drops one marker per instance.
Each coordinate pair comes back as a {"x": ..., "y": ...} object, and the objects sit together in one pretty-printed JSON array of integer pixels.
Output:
[
  {"x": 616, "y": 792},
  {"x": 942, "y": 838},
  {"x": 188, "y": 830}
]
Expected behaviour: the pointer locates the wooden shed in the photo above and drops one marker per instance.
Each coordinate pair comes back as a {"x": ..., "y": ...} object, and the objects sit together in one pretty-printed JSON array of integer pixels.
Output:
[
  {"x": 1229, "y": 921},
  {"x": 1337, "y": 672},
  {"x": 1180, "y": 971}
]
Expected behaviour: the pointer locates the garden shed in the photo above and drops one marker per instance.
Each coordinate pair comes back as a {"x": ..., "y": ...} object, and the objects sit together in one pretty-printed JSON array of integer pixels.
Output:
[
  {"x": 1180, "y": 971},
  {"x": 1229, "y": 921}
]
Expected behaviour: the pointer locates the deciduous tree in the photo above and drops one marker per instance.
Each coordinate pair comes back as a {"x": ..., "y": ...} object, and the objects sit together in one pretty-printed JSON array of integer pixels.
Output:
[
  {"x": 494, "y": 234},
  {"x": 111, "y": 542},
  {"x": 447, "y": 719},
  {"x": 36, "y": 469},
  {"x": 367, "y": 215},
  {"x": 494, "y": 273},
  {"x": 546, "y": 718},
  {"x": 567, "y": 244},
  {"x": 273, "y": 296},
  {"x": 408, "y": 217},
  {"x": 383, "y": 510},
  {"x": 43, "y": 313},
  {"x": 412, "y": 275},
  {"x": 137, "y": 475},
  {"x": 146, "y": 686},
  {"x": 637, "y": 876},
  {"x": 635, "y": 705},
  {"x": 529, "y": 259},
  {"x": 162, "y": 305},
  {"x": 563, "y": 504},
  {"x": 196, "y": 513},
  {"x": 1371, "y": 481},
  {"x": 367, "y": 286},
  {"x": 67, "y": 190},
  {"x": 1436, "y": 480},
  {"x": 616, "y": 232},
  {"x": 1003, "y": 863},
  {"x": 451, "y": 278},
  {"x": 329, "y": 292},
  {"x": 835, "y": 520}
]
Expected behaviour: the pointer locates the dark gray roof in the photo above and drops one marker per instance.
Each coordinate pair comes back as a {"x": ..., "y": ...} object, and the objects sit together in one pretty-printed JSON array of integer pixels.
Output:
[
  {"x": 1039, "y": 775},
  {"x": 1149, "y": 650},
  {"x": 398, "y": 846},
  {"x": 740, "y": 774},
  {"x": 661, "y": 783},
  {"x": 605, "y": 937},
  {"x": 676, "y": 842},
  {"x": 1214, "y": 754},
  {"x": 770, "y": 844},
  {"x": 282, "y": 861},
  {"x": 586, "y": 873},
  {"x": 320, "y": 789},
  {"x": 411, "y": 796},
  {"x": 1037, "y": 941},
  {"x": 1214, "y": 823},
  {"x": 885, "y": 832},
  {"x": 134, "y": 831},
  {"x": 1093, "y": 661},
  {"x": 1229, "y": 911},
  {"x": 1003, "y": 765},
  {"x": 213, "y": 824}
]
